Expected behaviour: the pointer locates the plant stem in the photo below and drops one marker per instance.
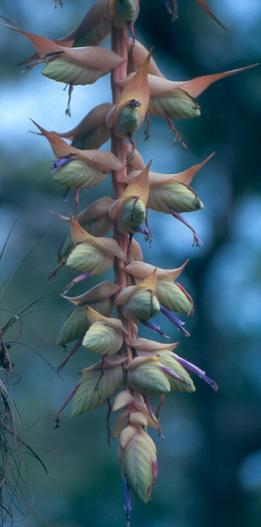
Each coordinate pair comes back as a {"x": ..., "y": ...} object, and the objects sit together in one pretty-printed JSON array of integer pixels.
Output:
[{"x": 120, "y": 150}]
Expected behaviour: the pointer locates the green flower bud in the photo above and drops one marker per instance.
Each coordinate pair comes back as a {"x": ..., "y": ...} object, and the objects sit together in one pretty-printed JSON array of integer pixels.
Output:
[
  {"x": 102, "y": 339},
  {"x": 132, "y": 215},
  {"x": 96, "y": 227},
  {"x": 62, "y": 70},
  {"x": 126, "y": 12},
  {"x": 174, "y": 297},
  {"x": 88, "y": 259},
  {"x": 139, "y": 464},
  {"x": 99, "y": 299},
  {"x": 128, "y": 121},
  {"x": 173, "y": 195},
  {"x": 75, "y": 326},
  {"x": 95, "y": 388},
  {"x": 77, "y": 323},
  {"x": 148, "y": 379},
  {"x": 177, "y": 104},
  {"x": 78, "y": 174},
  {"x": 142, "y": 305}
]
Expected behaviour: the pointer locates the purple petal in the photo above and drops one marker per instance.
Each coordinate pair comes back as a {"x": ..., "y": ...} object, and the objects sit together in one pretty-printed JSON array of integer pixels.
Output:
[
  {"x": 76, "y": 280},
  {"x": 127, "y": 501},
  {"x": 58, "y": 163},
  {"x": 175, "y": 320},
  {"x": 155, "y": 328},
  {"x": 200, "y": 373}
]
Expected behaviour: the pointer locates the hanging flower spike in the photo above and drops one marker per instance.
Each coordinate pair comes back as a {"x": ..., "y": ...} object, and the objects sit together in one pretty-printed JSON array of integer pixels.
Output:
[
  {"x": 76, "y": 168},
  {"x": 139, "y": 302},
  {"x": 129, "y": 367},
  {"x": 128, "y": 115},
  {"x": 172, "y": 194},
  {"x": 130, "y": 211},
  {"x": 91, "y": 254},
  {"x": 105, "y": 335},
  {"x": 92, "y": 131}
]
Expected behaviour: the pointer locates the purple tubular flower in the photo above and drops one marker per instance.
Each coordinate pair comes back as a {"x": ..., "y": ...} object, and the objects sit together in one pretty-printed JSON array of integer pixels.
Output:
[
  {"x": 200, "y": 373},
  {"x": 76, "y": 280},
  {"x": 58, "y": 163},
  {"x": 175, "y": 320},
  {"x": 127, "y": 502},
  {"x": 155, "y": 328}
]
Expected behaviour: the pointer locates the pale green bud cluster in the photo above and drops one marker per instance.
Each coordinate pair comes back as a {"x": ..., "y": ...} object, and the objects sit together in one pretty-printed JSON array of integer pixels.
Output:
[{"x": 128, "y": 366}]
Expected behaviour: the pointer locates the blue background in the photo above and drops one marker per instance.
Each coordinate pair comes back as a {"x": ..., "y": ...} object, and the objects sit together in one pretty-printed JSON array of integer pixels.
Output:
[{"x": 210, "y": 461}]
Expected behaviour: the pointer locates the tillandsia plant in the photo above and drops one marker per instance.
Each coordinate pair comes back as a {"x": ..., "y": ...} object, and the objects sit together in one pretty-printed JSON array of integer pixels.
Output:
[
  {"x": 14, "y": 486},
  {"x": 106, "y": 320}
]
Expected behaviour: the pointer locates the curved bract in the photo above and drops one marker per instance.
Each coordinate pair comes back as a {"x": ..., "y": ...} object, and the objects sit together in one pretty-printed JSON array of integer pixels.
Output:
[
  {"x": 91, "y": 132},
  {"x": 81, "y": 65}
]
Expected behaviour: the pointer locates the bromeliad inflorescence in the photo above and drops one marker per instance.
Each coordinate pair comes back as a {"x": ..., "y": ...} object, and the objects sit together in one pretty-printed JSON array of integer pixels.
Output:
[{"x": 107, "y": 319}]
